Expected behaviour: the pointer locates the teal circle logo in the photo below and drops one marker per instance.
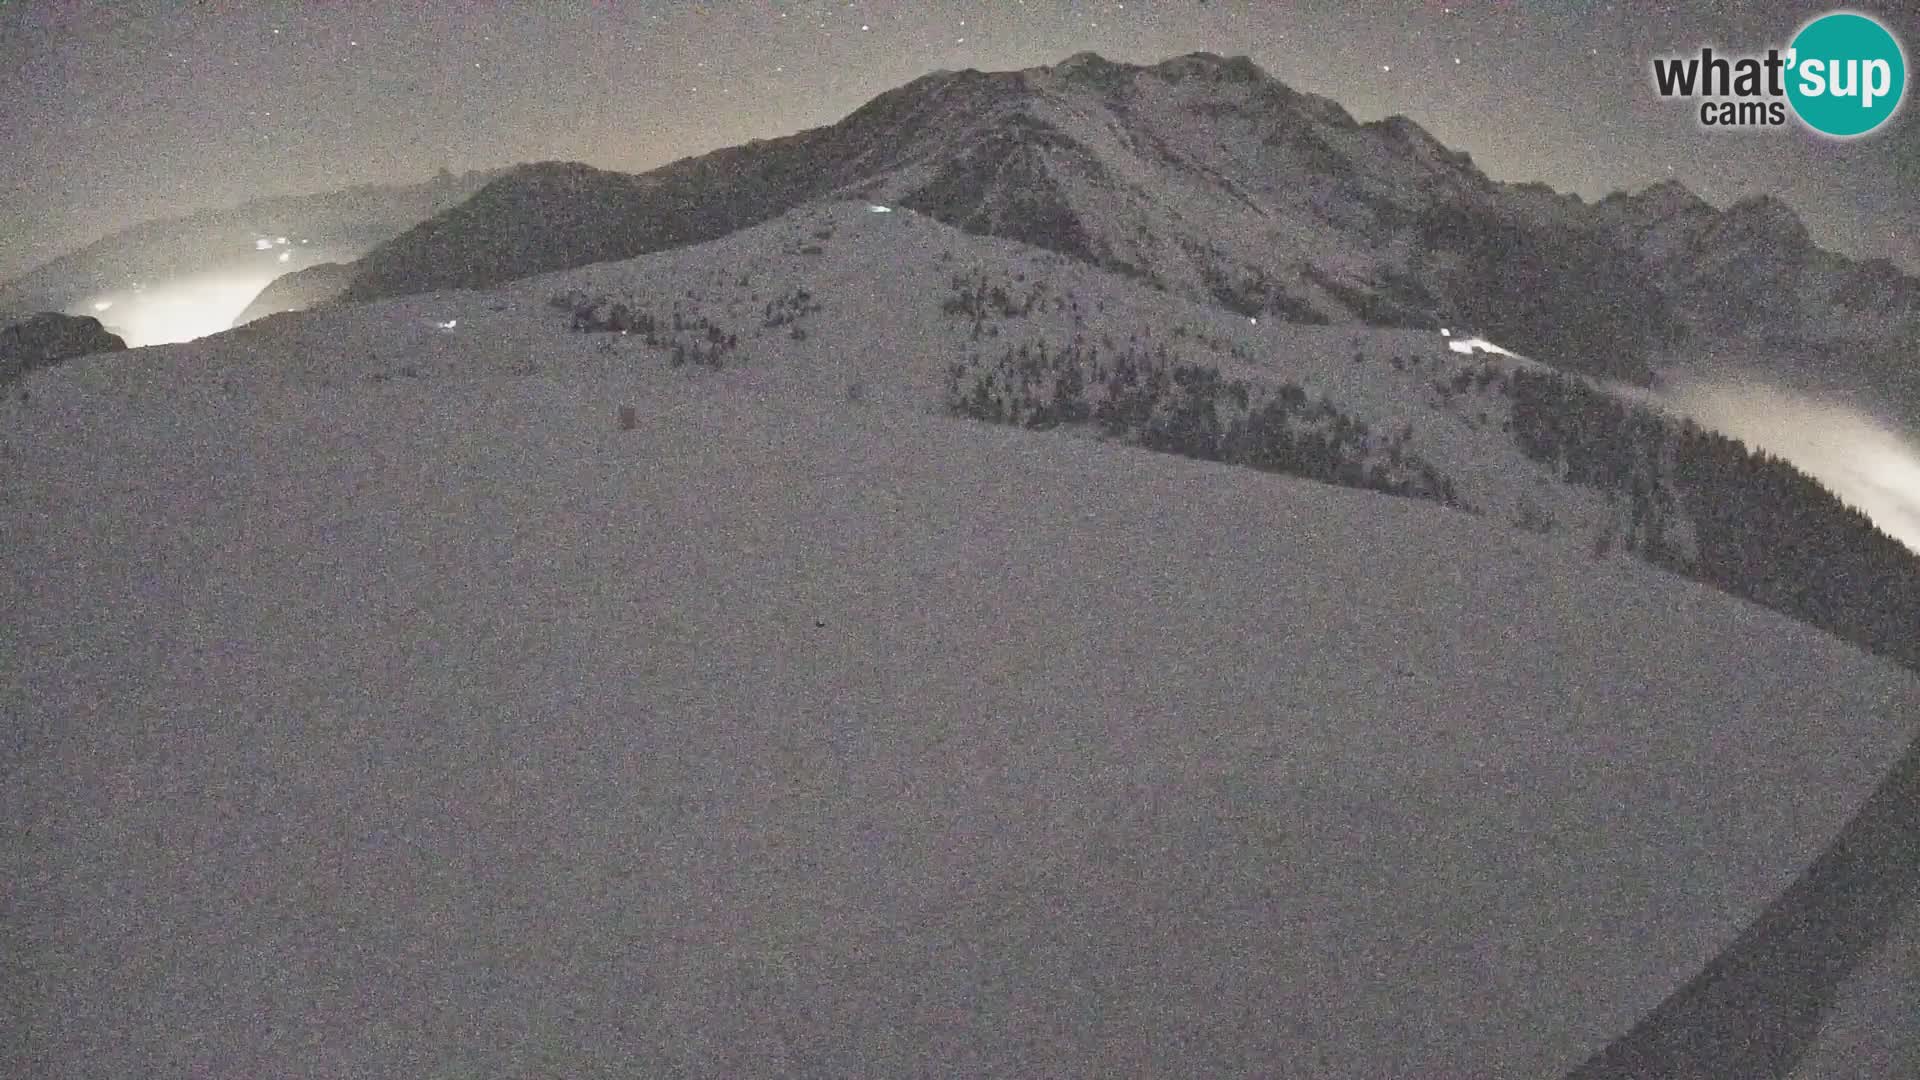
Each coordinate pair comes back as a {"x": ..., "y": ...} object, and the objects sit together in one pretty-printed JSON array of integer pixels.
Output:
[{"x": 1847, "y": 74}]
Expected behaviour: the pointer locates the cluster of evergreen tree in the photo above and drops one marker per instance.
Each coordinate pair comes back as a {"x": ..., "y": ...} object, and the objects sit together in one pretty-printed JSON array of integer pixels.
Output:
[
  {"x": 601, "y": 315},
  {"x": 687, "y": 341},
  {"x": 1762, "y": 530},
  {"x": 1468, "y": 380},
  {"x": 700, "y": 343},
  {"x": 1153, "y": 399},
  {"x": 1770, "y": 533},
  {"x": 1594, "y": 439},
  {"x": 976, "y": 298},
  {"x": 983, "y": 302},
  {"x": 792, "y": 306}
]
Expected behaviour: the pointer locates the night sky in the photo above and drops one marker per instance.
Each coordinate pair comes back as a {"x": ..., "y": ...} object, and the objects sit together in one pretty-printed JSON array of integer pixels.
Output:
[{"x": 125, "y": 111}]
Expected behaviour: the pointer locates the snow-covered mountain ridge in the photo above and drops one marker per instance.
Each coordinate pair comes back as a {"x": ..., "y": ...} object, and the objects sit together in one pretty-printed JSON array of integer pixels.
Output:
[
  {"x": 913, "y": 311},
  {"x": 1207, "y": 177},
  {"x": 381, "y": 705}
]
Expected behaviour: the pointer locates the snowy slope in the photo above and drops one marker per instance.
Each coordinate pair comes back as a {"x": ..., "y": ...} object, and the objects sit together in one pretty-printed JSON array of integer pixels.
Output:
[
  {"x": 814, "y": 270},
  {"x": 891, "y": 332},
  {"x": 376, "y": 705}
]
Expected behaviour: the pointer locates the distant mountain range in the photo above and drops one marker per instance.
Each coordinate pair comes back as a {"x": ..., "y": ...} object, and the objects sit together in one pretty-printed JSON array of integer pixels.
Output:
[
  {"x": 1206, "y": 177},
  {"x": 1202, "y": 176},
  {"x": 334, "y": 225}
]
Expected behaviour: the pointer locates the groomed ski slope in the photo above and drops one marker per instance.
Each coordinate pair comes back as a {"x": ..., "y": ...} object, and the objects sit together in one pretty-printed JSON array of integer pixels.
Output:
[{"x": 437, "y": 727}]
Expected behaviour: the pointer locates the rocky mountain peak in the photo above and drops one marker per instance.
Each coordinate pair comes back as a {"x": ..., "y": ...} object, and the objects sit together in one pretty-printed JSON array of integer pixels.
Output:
[
  {"x": 1195, "y": 70},
  {"x": 1767, "y": 218},
  {"x": 1403, "y": 131},
  {"x": 1663, "y": 201},
  {"x": 1092, "y": 67},
  {"x": 1211, "y": 67},
  {"x": 1673, "y": 193}
]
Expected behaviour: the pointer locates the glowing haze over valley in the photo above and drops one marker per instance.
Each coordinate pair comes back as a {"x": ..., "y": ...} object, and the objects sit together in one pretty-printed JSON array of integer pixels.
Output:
[
  {"x": 195, "y": 304},
  {"x": 1870, "y": 463},
  {"x": 181, "y": 309}
]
